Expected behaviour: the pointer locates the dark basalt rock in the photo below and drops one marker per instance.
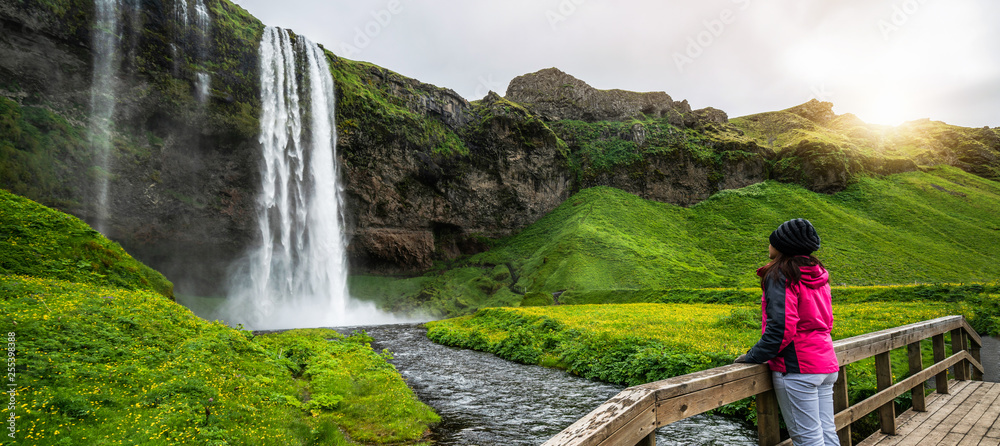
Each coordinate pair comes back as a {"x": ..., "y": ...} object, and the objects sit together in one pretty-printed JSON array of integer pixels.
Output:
[{"x": 554, "y": 95}]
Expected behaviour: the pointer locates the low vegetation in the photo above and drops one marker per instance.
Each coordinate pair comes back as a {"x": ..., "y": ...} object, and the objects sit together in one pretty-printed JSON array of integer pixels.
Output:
[{"x": 103, "y": 357}]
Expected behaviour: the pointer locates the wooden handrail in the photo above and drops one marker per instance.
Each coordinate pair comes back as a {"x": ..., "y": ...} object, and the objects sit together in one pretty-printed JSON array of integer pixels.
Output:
[{"x": 631, "y": 417}]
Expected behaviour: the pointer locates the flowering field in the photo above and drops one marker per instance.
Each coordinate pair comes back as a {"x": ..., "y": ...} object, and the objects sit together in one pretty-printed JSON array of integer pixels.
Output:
[{"x": 638, "y": 343}]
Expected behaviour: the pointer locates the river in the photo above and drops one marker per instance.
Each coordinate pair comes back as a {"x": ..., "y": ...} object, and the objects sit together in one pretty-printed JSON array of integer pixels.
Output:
[{"x": 484, "y": 400}]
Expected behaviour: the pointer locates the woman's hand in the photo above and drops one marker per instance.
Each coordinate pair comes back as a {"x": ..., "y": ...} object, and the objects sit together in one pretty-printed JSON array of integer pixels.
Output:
[{"x": 743, "y": 359}]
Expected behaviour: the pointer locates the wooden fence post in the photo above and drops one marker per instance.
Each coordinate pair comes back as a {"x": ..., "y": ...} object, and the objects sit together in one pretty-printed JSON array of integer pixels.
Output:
[
  {"x": 941, "y": 379},
  {"x": 649, "y": 440},
  {"x": 976, "y": 373},
  {"x": 768, "y": 427},
  {"x": 916, "y": 365},
  {"x": 840, "y": 402},
  {"x": 957, "y": 345},
  {"x": 883, "y": 378}
]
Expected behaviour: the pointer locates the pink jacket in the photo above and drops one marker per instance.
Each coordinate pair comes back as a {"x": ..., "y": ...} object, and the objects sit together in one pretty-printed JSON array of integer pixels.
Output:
[{"x": 797, "y": 319}]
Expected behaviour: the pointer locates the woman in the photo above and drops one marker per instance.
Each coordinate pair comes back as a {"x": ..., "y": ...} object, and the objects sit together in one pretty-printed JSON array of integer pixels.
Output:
[{"x": 795, "y": 340}]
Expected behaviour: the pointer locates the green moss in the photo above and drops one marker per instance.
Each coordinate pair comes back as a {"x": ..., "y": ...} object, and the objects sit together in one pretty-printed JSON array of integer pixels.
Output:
[
  {"x": 368, "y": 96},
  {"x": 41, "y": 242}
]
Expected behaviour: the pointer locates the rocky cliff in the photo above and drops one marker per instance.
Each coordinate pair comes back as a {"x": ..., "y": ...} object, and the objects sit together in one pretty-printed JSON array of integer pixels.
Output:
[{"x": 428, "y": 174}]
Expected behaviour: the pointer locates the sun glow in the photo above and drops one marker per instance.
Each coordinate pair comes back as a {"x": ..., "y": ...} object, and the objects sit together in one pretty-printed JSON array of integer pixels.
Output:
[{"x": 885, "y": 108}]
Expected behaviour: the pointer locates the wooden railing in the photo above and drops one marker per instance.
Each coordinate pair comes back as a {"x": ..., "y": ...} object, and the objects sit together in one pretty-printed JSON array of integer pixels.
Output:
[{"x": 632, "y": 416}]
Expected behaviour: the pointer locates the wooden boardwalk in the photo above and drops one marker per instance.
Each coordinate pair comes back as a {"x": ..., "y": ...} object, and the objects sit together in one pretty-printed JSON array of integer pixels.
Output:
[{"x": 968, "y": 415}]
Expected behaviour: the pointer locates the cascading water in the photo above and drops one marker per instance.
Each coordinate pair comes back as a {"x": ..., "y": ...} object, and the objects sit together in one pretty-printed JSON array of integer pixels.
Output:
[
  {"x": 202, "y": 85},
  {"x": 297, "y": 277},
  {"x": 181, "y": 11},
  {"x": 106, "y": 40},
  {"x": 198, "y": 36}
]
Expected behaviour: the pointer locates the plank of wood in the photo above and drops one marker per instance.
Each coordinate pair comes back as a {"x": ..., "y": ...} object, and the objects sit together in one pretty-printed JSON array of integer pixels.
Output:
[
  {"x": 957, "y": 345},
  {"x": 868, "y": 345},
  {"x": 941, "y": 380},
  {"x": 691, "y": 404},
  {"x": 841, "y": 402},
  {"x": 911, "y": 421},
  {"x": 986, "y": 419},
  {"x": 951, "y": 439},
  {"x": 916, "y": 363},
  {"x": 987, "y": 400},
  {"x": 886, "y": 396},
  {"x": 974, "y": 338},
  {"x": 649, "y": 440},
  {"x": 604, "y": 421},
  {"x": 692, "y": 382},
  {"x": 922, "y": 423},
  {"x": 986, "y": 441},
  {"x": 768, "y": 423},
  {"x": 635, "y": 430},
  {"x": 883, "y": 381},
  {"x": 958, "y": 411}
]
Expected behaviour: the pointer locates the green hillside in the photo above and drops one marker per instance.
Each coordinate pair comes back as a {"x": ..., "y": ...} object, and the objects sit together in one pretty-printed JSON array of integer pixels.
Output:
[
  {"x": 45, "y": 243},
  {"x": 937, "y": 226},
  {"x": 103, "y": 357}
]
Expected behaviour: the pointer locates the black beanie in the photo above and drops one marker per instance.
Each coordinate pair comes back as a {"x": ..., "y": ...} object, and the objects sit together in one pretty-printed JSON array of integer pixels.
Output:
[{"x": 795, "y": 238}]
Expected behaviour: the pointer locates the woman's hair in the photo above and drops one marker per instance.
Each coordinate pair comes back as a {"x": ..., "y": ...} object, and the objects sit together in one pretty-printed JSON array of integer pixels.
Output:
[{"x": 788, "y": 266}]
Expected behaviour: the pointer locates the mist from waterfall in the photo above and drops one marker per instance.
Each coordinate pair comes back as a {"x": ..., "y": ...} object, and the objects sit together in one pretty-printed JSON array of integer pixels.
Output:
[
  {"x": 297, "y": 277},
  {"x": 106, "y": 40}
]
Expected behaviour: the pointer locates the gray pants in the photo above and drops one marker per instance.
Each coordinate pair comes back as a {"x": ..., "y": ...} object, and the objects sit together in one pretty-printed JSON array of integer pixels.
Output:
[{"x": 806, "y": 401}]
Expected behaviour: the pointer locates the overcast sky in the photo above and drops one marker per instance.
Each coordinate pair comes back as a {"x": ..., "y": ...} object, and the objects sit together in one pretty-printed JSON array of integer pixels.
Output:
[{"x": 884, "y": 60}]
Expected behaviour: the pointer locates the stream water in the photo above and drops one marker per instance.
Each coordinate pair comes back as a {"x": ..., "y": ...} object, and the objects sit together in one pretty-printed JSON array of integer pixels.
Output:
[{"x": 484, "y": 400}]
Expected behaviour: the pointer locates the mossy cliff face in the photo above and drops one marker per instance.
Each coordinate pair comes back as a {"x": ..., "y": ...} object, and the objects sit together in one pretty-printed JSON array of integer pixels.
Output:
[
  {"x": 182, "y": 173},
  {"x": 429, "y": 175}
]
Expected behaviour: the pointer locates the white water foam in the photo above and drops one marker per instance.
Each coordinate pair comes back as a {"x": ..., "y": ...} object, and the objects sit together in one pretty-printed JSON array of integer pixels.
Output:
[{"x": 297, "y": 277}]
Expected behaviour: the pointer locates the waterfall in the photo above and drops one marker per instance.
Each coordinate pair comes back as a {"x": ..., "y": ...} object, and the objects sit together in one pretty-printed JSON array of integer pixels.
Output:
[
  {"x": 181, "y": 11},
  {"x": 202, "y": 86},
  {"x": 196, "y": 36},
  {"x": 105, "y": 39},
  {"x": 202, "y": 23},
  {"x": 297, "y": 277}
]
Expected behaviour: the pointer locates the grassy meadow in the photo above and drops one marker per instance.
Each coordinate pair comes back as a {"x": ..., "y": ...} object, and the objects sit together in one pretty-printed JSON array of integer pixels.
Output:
[
  {"x": 105, "y": 357},
  {"x": 925, "y": 227}
]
